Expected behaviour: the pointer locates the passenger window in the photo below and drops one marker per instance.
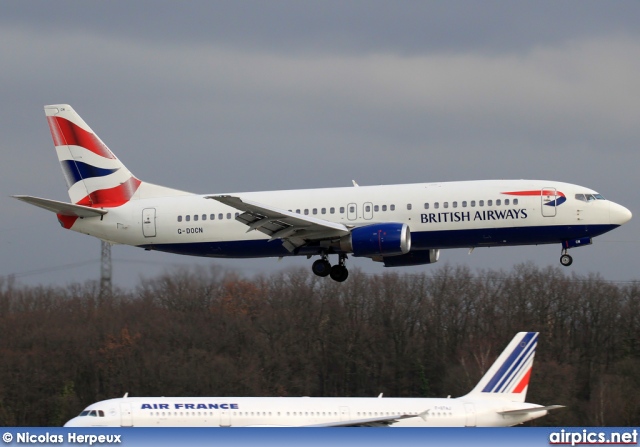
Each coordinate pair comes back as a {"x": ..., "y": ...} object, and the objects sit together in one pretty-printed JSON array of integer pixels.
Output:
[
  {"x": 187, "y": 218},
  {"x": 324, "y": 211},
  {"x": 367, "y": 208},
  {"x": 481, "y": 203},
  {"x": 332, "y": 210},
  {"x": 179, "y": 218},
  {"x": 195, "y": 217},
  {"x": 436, "y": 205},
  {"x": 298, "y": 211},
  {"x": 315, "y": 211},
  {"x": 220, "y": 216},
  {"x": 464, "y": 204},
  {"x": 212, "y": 217},
  {"x": 204, "y": 217},
  {"x": 342, "y": 210},
  {"x": 352, "y": 209},
  {"x": 498, "y": 202},
  {"x": 426, "y": 206},
  {"x": 306, "y": 212},
  {"x": 506, "y": 201},
  {"x": 489, "y": 202},
  {"x": 376, "y": 208},
  {"x": 455, "y": 204},
  {"x": 446, "y": 204},
  {"x": 237, "y": 214},
  {"x": 515, "y": 201},
  {"x": 228, "y": 215},
  {"x": 384, "y": 207},
  {"x": 409, "y": 206},
  {"x": 473, "y": 203}
]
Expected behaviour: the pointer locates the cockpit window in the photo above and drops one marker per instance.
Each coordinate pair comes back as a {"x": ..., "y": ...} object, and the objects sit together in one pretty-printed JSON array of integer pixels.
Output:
[
  {"x": 92, "y": 413},
  {"x": 589, "y": 197}
]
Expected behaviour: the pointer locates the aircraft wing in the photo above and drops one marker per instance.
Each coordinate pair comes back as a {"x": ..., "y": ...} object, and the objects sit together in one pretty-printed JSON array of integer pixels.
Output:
[
  {"x": 382, "y": 421},
  {"x": 295, "y": 230},
  {"x": 63, "y": 208},
  {"x": 531, "y": 410}
]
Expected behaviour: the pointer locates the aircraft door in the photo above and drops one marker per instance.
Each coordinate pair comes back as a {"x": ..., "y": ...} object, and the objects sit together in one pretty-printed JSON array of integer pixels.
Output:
[
  {"x": 549, "y": 197},
  {"x": 344, "y": 414},
  {"x": 225, "y": 418},
  {"x": 126, "y": 418},
  {"x": 352, "y": 211},
  {"x": 149, "y": 222},
  {"x": 470, "y": 411},
  {"x": 367, "y": 210}
]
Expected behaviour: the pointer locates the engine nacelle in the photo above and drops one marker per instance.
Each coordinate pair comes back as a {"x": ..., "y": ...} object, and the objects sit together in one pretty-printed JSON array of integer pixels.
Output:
[
  {"x": 384, "y": 239},
  {"x": 412, "y": 258}
]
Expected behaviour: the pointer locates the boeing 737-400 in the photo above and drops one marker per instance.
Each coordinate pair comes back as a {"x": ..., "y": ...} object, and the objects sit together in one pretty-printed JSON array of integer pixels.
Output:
[
  {"x": 398, "y": 225},
  {"x": 498, "y": 400}
]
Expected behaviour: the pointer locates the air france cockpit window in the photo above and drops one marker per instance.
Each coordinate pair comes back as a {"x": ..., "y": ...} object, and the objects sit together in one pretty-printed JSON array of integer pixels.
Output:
[{"x": 92, "y": 413}]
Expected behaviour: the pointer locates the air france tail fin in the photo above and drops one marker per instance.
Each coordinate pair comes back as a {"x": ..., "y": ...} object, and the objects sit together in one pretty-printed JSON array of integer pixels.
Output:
[
  {"x": 508, "y": 377},
  {"x": 95, "y": 177}
]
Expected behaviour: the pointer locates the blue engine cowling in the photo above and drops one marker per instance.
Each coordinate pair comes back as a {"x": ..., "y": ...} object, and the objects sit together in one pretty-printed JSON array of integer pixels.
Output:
[
  {"x": 384, "y": 239},
  {"x": 412, "y": 258}
]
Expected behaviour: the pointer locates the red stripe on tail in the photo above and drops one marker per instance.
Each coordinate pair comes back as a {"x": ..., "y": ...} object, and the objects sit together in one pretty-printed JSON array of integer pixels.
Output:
[
  {"x": 112, "y": 197},
  {"x": 64, "y": 132},
  {"x": 523, "y": 383}
]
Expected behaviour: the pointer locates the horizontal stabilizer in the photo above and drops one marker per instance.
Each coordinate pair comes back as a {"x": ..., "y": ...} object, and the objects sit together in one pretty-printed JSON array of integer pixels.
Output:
[
  {"x": 530, "y": 410},
  {"x": 62, "y": 208}
]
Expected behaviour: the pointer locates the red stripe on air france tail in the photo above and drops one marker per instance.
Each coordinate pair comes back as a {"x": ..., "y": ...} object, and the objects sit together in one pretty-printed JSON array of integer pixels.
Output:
[
  {"x": 523, "y": 383},
  {"x": 64, "y": 132},
  {"x": 112, "y": 197}
]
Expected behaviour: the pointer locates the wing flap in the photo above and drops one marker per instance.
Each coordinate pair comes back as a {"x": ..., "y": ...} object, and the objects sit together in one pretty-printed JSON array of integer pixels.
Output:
[
  {"x": 293, "y": 229},
  {"x": 530, "y": 410},
  {"x": 62, "y": 208},
  {"x": 370, "y": 422}
]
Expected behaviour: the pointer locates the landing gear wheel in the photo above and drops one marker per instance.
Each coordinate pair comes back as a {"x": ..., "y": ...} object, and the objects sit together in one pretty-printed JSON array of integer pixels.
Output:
[
  {"x": 566, "y": 260},
  {"x": 339, "y": 273},
  {"x": 321, "y": 267}
]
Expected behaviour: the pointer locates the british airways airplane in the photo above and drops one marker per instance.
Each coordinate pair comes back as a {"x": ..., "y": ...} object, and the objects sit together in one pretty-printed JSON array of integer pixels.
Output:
[
  {"x": 398, "y": 225},
  {"x": 498, "y": 400}
]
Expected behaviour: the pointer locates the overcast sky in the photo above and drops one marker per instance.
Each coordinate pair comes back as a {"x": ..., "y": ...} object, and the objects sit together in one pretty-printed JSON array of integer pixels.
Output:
[{"x": 215, "y": 97}]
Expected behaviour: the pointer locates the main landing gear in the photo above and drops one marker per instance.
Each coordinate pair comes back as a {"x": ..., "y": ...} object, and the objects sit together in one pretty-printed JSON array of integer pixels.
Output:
[
  {"x": 565, "y": 258},
  {"x": 338, "y": 272}
]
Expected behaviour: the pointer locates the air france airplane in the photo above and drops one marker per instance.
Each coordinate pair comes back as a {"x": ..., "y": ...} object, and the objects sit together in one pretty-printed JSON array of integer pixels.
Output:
[
  {"x": 398, "y": 225},
  {"x": 498, "y": 400}
]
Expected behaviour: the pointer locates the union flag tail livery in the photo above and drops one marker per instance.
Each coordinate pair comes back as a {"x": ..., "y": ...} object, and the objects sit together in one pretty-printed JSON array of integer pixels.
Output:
[
  {"x": 95, "y": 177},
  {"x": 397, "y": 225},
  {"x": 497, "y": 401}
]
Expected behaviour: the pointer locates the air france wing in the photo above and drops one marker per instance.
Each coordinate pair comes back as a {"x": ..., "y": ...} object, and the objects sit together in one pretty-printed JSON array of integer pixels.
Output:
[
  {"x": 369, "y": 422},
  {"x": 293, "y": 229}
]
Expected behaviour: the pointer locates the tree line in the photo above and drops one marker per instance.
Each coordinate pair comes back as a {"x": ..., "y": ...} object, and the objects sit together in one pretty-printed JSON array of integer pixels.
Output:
[{"x": 213, "y": 332}]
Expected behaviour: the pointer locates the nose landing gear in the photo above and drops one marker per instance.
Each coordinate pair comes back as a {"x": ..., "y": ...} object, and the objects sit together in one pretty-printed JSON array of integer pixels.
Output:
[{"x": 565, "y": 258}]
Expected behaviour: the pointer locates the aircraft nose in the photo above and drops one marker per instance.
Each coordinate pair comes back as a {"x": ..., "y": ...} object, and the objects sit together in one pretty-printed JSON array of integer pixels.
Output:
[{"x": 618, "y": 214}]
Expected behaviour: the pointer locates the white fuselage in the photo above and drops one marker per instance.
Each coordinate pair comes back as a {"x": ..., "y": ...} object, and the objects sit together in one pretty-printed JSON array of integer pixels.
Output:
[
  {"x": 297, "y": 411},
  {"x": 439, "y": 215}
]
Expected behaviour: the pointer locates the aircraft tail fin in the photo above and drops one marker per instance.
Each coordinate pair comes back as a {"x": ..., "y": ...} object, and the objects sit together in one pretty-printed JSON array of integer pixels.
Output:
[
  {"x": 508, "y": 377},
  {"x": 95, "y": 176}
]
